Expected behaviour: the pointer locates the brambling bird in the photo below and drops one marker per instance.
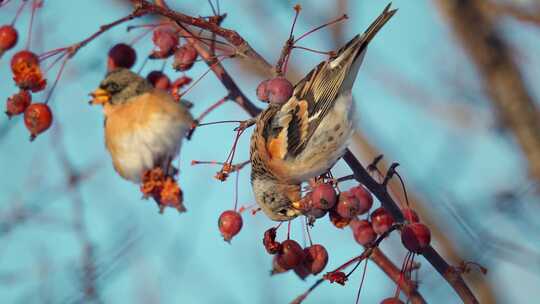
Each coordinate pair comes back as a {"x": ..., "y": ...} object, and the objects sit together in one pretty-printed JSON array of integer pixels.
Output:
[
  {"x": 144, "y": 126},
  {"x": 305, "y": 136}
]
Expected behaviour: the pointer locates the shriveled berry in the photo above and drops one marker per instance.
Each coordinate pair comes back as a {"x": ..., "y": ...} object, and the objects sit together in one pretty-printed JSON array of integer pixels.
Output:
[
  {"x": 391, "y": 301},
  {"x": 8, "y": 37},
  {"x": 381, "y": 220},
  {"x": 336, "y": 277},
  {"x": 184, "y": 57},
  {"x": 410, "y": 215},
  {"x": 17, "y": 103},
  {"x": 291, "y": 254},
  {"x": 336, "y": 219},
  {"x": 37, "y": 118},
  {"x": 229, "y": 223},
  {"x": 23, "y": 59},
  {"x": 323, "y": 196},
  {"x": 347, "y": 205},
  {"x": 316, "y": 258},
  {"x": 121, "y": 56},
  {"x": 415, "y": 237},
  {"x": 159, "y": 80},
  {"x": 279, "y": 90},
  {"x": 270, "y": 243},
  {"x": 363, "y": 232},
  {"x": 364, "y": 197},
  {"x": 165, "y": 39}
]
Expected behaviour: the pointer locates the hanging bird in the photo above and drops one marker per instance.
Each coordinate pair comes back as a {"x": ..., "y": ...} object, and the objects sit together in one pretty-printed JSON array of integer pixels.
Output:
[
  {"x": 144, "y": 126},
  {"x": 305, "y": 136}
]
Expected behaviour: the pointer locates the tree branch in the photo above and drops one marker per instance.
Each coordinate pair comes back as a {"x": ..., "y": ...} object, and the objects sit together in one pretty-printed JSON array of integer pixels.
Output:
[{"x": 431, "y": 255}]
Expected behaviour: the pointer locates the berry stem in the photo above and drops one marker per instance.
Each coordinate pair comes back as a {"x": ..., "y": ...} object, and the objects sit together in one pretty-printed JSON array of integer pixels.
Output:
[
  {"x": 343, "y": 17},
  {"x": 19, "y": 11},
  {"x": 361, "y": 282},
  {"x": 236, "y": 190},
  {"x": 58, "y": 75},
  {"x": 218, "y": 122},
  {"x": 312, "y": 50},
  {"x": 29, "y": 39},
  {"x": 213, "y": 107}
]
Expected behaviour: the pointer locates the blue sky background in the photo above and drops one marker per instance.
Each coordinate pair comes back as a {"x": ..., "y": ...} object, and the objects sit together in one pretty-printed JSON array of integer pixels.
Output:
[{"x": 144, "y": 257}]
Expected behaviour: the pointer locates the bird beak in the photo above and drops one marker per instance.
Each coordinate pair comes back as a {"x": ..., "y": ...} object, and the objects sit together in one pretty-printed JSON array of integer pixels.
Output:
[{"x": 100, "y": 96}]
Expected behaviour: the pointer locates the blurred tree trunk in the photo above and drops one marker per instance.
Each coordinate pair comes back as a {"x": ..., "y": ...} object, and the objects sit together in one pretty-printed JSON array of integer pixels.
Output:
[{"x": 474, "y": 26}]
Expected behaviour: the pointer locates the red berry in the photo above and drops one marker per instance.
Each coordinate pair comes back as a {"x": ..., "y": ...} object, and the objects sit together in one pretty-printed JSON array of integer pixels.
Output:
[
  {"x": 291, "y": 255},
  {"x": 381, "y": 220},
  {"x": 363, "y": 232},
  {"x": 301, "y": 271},
  {"x": 37, "y": 118},
  {"x": 391, "y": 301},
  {"x": 410, "y": 215},
  {"x": 121, "y": 56},
  {"x": 364, "y": 198},
  {"x": 159, "y": 80},
  {"x": 184, "y": 57},
  {"x": 336, "y": 219},
  {"x": 316, "y": 258},
  {"x": 415, "y": 237},
  {"x": 8, "y": 37},
  {"x": 276, "y": 267},
  {"x": 347, "y": 205},
  {"x": 323, "y": 196},
  {"x": 262, "y": 91},
  {"x": 165, "y": 38},
  {"x": 279, "y": 90},
  {"x": 23, "y": 59},
  {"x": 316, "y": 213},
  {"x": 17, "y": 103},
  {"x": 229, "y": 223}
]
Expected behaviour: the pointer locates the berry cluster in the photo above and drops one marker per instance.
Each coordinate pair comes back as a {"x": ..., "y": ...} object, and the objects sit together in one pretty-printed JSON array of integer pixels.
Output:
[
  {"x": 27, "y": 75},
  {"x": 289, "y": 255}
]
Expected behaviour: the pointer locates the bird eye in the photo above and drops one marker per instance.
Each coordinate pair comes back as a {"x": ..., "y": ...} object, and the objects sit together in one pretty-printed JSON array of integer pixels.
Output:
[
  {"x": 283, "y": 211},
  {"x": 113, "y": 87}
]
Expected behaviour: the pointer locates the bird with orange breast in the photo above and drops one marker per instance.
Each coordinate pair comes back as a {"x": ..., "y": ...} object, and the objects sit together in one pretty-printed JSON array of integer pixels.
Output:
[
  {"x": 305, "y": 136},
  {"x": 144, "y": 126}
]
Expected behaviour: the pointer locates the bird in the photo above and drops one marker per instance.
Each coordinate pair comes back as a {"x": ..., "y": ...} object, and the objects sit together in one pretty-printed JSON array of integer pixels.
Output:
[
  {"x": 144, "y": 126},
  {"x": 305, "y": 136}
]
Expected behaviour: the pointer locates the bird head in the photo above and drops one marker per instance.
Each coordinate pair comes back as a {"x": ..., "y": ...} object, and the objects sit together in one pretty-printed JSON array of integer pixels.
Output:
[
  {"x": 277, "y": 200},
  {"x": 119, "y": 86}
]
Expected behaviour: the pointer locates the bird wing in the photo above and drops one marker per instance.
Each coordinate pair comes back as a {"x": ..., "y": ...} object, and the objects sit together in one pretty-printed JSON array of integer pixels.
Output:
[{"x": 315, "y": 95}]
